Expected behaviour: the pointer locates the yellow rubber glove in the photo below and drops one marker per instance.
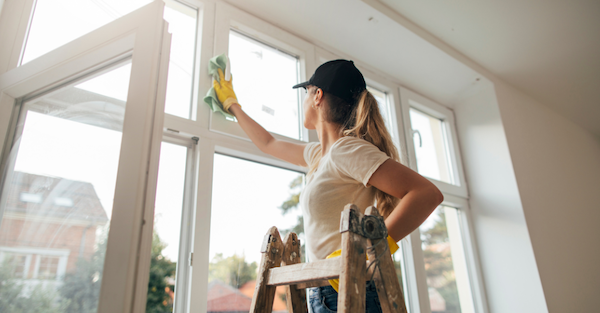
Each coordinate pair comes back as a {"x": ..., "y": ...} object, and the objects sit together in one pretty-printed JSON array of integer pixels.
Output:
[
  {"x": 335, "y": 283},
  {"x": 224, "y": 91}
]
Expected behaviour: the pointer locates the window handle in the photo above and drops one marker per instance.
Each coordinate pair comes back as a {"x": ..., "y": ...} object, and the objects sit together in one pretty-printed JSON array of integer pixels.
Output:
[{"x": 416, "y": 131}]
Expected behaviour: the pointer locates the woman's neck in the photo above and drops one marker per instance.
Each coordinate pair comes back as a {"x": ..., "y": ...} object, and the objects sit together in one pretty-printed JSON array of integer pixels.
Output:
[{"x": 328, "y": 134}]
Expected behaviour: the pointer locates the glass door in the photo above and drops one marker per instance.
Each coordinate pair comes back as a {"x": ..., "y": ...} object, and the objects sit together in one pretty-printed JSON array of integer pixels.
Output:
[
  {"x": 79, "y": 169},
  {"x": 58, "y": 194}
]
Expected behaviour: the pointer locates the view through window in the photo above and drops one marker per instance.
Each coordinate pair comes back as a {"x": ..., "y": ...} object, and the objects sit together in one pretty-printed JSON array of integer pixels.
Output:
[
  {"x": 431, "y": 146},
  {"x": 58, "y": 195},
  {"x": 167, "y": 228},
  {"x": 248, "y": 198},
  {"x": 382, "y": 101},
  {"x": 445, "y": 265},
  {"x": 57, "y": 22},
  {"x": 264, "y": 77}
]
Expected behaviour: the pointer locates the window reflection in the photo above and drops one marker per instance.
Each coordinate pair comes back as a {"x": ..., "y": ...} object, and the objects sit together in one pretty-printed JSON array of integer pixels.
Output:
[
  {"x": 445, "y": 265},
  {"x": 264, "y": 77},
  {"x": 248, "y": 199}
]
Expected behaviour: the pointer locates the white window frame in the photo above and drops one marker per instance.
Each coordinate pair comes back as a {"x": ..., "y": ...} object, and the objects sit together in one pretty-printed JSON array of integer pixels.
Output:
[
  {"x": 141, "y": 36},
  {"x": 183, "y": 271},
  {"x": 230, "y": 18},
  {"x": 470, "y": 251},
  {"x": 215, "y": 19},
  {"x": 34, "y": 254},
  {"x": 454, "y": 196},
  {"x": 13, "y": 250},
  {"x": 410, "y": 99}
]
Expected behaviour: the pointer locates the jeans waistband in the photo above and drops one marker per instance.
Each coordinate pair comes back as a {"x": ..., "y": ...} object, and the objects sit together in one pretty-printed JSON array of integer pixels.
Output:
[{"x": 370, "y": 286}]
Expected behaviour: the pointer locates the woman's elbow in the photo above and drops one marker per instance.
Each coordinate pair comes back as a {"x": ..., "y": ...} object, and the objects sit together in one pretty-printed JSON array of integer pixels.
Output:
[{"x": 436, "y": 196}]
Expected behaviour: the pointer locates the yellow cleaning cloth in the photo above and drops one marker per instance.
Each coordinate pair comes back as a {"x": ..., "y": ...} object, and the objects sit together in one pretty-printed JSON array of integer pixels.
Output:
[{"x": 335, "y": 283}]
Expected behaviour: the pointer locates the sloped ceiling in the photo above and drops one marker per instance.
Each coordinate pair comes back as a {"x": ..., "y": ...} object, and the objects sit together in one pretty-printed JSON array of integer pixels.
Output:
[
  {"x": 359, "y": 32},
  {"x": 550, "y": 50}
]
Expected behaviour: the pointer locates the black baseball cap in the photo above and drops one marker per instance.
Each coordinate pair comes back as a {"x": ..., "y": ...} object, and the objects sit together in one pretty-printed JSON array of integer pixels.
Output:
[{"x": 339, "y": 78}]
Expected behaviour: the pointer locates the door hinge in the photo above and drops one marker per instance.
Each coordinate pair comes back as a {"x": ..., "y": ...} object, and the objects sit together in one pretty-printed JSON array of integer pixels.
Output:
[{"x": 191, "y": 258}]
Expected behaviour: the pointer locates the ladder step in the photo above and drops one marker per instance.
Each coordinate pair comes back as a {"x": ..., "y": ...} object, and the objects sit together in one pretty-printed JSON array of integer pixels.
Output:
[{"x": 305, "y": 272}]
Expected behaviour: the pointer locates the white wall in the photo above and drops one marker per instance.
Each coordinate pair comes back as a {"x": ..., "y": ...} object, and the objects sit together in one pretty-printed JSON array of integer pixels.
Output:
[
  {"x": 557, "y": 168},
  {"x": 508, "y": 265}
]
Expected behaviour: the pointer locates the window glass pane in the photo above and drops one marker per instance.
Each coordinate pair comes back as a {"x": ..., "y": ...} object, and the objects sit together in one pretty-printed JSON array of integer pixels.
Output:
[
  {"x": 430, "y": 142},
  {"x": 400, "y": 267},
  {"x": 56, "y": 22},
  {"x": 382, "y": 101},
  {"x": 67, "y": 149},
  {"x": 264, "y": 77},
  {"x": 167, "y": 228},
  {"x": 182, "y": 26},
  {"x": 248, "y": 198},
  {"x": 445, "y": 265}
]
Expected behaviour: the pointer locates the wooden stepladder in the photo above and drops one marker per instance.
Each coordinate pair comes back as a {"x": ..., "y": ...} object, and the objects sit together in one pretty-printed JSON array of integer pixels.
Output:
[{"x": 361, "y": 235}]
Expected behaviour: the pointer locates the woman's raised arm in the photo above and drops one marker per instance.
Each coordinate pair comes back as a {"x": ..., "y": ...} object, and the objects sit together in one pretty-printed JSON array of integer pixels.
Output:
[{"x": 285, "y": 150}]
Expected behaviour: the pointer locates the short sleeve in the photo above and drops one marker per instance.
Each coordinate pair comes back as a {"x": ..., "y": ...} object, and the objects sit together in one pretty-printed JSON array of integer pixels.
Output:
[
  {"x": 357, "y": 158},
  {"x": 310, "y": 152}
]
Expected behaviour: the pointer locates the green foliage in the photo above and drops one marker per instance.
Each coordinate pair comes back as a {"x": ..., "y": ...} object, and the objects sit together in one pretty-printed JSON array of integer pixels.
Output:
[
  {"x": 232, "y": 270},
  {"x": 294, "y": 199},
  {"x": 80, "y": 290},
  {"x": 82, "y": 286},
  {"x": 161, "y": 268},
  {"x": 438, "y": 262},
  {"x": 15, "y": 297},
  {"x": 291, "y": 204}
]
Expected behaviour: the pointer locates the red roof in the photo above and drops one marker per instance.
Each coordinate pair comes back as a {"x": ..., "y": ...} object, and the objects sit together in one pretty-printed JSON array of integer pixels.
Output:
[{"x": 224, "y": 298}]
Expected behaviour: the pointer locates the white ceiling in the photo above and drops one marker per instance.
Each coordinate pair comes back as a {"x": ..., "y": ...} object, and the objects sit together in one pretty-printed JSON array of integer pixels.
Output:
[{"x": 548, "y": 49}]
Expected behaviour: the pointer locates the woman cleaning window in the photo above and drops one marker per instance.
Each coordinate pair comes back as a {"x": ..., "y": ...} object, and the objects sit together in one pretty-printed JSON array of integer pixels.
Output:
[{"x": 355, "y": 161}]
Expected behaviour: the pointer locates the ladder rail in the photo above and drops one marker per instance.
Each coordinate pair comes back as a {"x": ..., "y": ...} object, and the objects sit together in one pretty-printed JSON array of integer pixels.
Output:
[{"x": 362, "y": 235}]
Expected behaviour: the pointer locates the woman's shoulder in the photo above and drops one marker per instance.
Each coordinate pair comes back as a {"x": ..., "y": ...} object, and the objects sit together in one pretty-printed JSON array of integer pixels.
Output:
[
  {"x": 311, "y": 151},
  {"x": 351, "y": 144}
]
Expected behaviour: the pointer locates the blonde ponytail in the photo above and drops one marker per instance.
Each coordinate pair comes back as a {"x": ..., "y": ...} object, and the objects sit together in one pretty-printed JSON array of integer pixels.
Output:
[
  {"x": 369, "y": 125},
  {"x": 364, "y": 121}
]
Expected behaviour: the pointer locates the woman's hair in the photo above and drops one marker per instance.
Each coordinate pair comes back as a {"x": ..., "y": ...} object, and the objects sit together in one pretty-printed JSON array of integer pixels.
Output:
[{"x": 363, "y": 120}]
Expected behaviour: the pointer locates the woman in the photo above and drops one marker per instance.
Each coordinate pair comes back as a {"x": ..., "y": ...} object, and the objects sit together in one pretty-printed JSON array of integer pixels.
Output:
[{"x": 355, "y": 161}]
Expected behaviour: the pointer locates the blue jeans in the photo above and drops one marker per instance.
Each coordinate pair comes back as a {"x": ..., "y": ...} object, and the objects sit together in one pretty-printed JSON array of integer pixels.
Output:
[{"x": 325, "y": 299}]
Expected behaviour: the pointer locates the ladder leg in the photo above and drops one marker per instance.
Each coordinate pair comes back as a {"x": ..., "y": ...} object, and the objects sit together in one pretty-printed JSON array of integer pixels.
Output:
[
  {"x": 352, "y": 288},
  {"x": 295, "y": 298},
  {"x": 272, "y": 251},
  {"x": 386, "y": 281}
]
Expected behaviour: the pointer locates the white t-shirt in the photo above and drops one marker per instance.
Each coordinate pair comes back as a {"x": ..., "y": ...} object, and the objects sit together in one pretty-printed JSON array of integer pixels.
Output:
[{"x": 341, "y": 178}]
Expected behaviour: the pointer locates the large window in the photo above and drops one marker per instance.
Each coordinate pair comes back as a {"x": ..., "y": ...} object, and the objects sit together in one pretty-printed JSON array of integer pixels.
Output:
[
  {"x": 264, "y": 77},
  {"x": 265, "y": 62},
  {"x": 78, "y": 160},
  {"x": 56, "y": 22},
  {"x": 432, "y": 142},
  {"x": 66, "y": 155},
  {"x": 216, "y": 193},
  {"x": 448, "y": 284},
  {"x": 431, "y": 146},
  {"x": 248, "y": 199},
  {"x": 384, "y": 108},
  {"x": 166, "y": 257},
  {"x": 445, "y": 249}
]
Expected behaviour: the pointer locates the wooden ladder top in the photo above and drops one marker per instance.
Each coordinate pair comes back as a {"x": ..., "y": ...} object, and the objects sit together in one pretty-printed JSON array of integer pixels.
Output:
[{"x": 362, "y": 235}]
